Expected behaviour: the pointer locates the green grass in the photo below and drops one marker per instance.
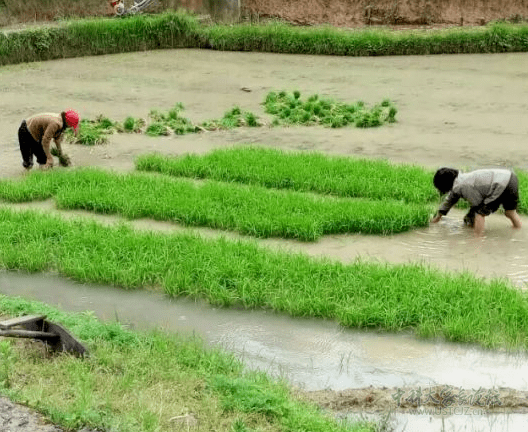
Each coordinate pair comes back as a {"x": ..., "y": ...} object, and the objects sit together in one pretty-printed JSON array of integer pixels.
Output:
[
  {"x": 430, "y": 302},
  {"x": 139, "y": 381},
  {"x": 301, "y": 171},
  {"x": 179, "y": 29},
  {"x": 249, "y": 209},
  {"x": 325, "y": 40},
  {"x": 96, "y": 36},
  {"x": 290, "y": 109}
]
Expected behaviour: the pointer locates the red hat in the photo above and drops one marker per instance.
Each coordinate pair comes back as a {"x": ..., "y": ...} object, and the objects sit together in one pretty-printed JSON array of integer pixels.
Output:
[{"x": 72, "y": 119}]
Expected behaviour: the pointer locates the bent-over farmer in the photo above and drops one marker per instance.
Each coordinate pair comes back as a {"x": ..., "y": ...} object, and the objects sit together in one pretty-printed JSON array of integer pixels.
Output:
[
  {"x": 35, "y": 135},
  {"x": 484, "y": 189}
]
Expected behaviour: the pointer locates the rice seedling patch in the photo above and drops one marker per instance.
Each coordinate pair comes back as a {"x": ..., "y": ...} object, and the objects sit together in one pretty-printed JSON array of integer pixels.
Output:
[
  {"x": 302, "y": 171},
  {"x": 290, "y": 109},
  {"x": 249, "y": 209},
  {"x": 459, "y": 307}
]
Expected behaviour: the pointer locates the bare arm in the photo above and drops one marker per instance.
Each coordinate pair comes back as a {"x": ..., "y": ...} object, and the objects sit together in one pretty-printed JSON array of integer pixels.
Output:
[{"x": 46, "y": 141}]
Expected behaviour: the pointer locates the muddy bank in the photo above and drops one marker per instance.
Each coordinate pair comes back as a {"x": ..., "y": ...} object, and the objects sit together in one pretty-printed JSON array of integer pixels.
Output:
[
  {"x": 356, "y": 13},
  {"x": 407, "y": 399}
]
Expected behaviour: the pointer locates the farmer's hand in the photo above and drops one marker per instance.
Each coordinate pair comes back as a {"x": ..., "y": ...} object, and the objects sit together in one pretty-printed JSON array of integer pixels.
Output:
[
  {"x": 64, "y": 160},
  {"x": 436, "y": 218}
]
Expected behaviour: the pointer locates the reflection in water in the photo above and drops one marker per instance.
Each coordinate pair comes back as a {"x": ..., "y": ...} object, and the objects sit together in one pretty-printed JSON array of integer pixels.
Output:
[
  {"x": 314, "y": 354},
  {"x": 459, "y": 420}
]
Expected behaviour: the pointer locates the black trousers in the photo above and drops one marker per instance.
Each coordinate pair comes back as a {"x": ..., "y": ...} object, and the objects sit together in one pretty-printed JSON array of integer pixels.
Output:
[
  {"x": 29, "y": 147},
  {"x": 509, "y": 200}
]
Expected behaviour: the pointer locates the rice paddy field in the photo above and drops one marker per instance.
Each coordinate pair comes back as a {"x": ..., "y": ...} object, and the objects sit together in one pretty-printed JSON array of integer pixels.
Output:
[{"x": 304, "y": 218}]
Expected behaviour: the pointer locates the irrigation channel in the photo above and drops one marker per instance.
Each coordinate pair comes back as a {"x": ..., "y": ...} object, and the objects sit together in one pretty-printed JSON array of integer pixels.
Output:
[{"x": 462, "y": 111}]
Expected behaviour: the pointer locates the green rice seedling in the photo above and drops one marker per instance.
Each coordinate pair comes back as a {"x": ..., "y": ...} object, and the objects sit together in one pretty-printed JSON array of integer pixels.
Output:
[
  {"x": 432, "y": 303},
  {"x": 235, "y": 117},
  {"x": 140, "y": 381},
  {"x": 133, "y": 125},
  {"x": 180, "y": 29},
  {"x": 165, "y": 122},
  {"x": 290, "y": 109},
  {"x": 157, "y": 129},
  {"x": 285, "y": 38},
  {"x": 64, "y": 160},
  {"x": 252, "y": 210},
  {"x": 302, "y": 171}
]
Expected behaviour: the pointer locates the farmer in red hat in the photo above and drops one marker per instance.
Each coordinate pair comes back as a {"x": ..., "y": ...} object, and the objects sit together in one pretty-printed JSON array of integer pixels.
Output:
[{"x": 35, "y": 135}]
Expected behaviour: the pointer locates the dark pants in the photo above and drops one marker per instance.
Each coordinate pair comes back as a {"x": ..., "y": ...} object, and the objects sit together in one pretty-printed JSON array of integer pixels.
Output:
[
  {"x": 509, "y": 200},
  {"x": 29, "y": 147}
]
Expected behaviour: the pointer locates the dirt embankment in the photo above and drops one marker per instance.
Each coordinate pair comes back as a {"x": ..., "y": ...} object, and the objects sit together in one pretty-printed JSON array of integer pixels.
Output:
[
  {"x": 354, "y": 13},
  {"x": 405, "y": 400},
  {"x": 343, "y": 13}
]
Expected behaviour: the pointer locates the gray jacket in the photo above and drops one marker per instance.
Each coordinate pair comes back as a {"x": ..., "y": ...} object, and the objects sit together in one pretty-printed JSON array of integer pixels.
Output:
[{"x": 478, "y": 187}]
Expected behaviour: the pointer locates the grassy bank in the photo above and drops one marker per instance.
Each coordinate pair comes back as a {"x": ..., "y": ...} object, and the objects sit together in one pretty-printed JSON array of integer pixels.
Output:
[
  {"x": 301, "y": 171},
  {"x": 175, "y": 30},
  {"x": 248, "y": 209},
  {"x": 148, "y": 381},
  {"x": 459, "y": 307}
]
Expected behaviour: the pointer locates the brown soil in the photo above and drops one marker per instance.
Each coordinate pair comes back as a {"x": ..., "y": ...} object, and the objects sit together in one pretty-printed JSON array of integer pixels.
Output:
[
  {"x": 354, "y": 13},
  {"x": 342, "y": 13}
]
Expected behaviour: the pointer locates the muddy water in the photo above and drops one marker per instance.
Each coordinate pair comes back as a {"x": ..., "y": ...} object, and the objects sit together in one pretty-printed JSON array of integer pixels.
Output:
[
  {"x": 464, "y": 111},
  {"x": 313, "y": 354}
]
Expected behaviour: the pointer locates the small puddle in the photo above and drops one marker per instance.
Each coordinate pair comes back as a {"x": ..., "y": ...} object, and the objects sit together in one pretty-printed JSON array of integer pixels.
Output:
[{"x": 431, "y": 422}]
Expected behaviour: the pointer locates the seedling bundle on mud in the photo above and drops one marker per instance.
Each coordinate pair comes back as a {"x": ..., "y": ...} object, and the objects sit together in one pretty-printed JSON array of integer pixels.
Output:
[{"x": 287, "y": 109}]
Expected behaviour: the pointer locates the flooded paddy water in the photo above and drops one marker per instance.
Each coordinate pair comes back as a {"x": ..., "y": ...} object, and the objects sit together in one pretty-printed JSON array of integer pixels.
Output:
[{"x": 466, "y": 111}]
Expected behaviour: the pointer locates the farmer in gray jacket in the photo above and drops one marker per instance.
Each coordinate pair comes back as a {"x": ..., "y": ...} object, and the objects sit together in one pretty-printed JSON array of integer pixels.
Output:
[{"x": 484, "y": 189}]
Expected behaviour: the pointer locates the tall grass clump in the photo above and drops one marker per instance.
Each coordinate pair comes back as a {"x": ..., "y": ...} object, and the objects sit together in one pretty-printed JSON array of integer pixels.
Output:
[
  {"x": 98, "y": 36},
  {"x": 248, "y": 209},
  {"x": 430, "y": 302},
  {"x": 307, "y": 172},
  {"x": 291, "y": 109},
  {"x": 146, "y": 381},
  {"x": 285, "y": 38},
  {"x": 180, "y": 29}
]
